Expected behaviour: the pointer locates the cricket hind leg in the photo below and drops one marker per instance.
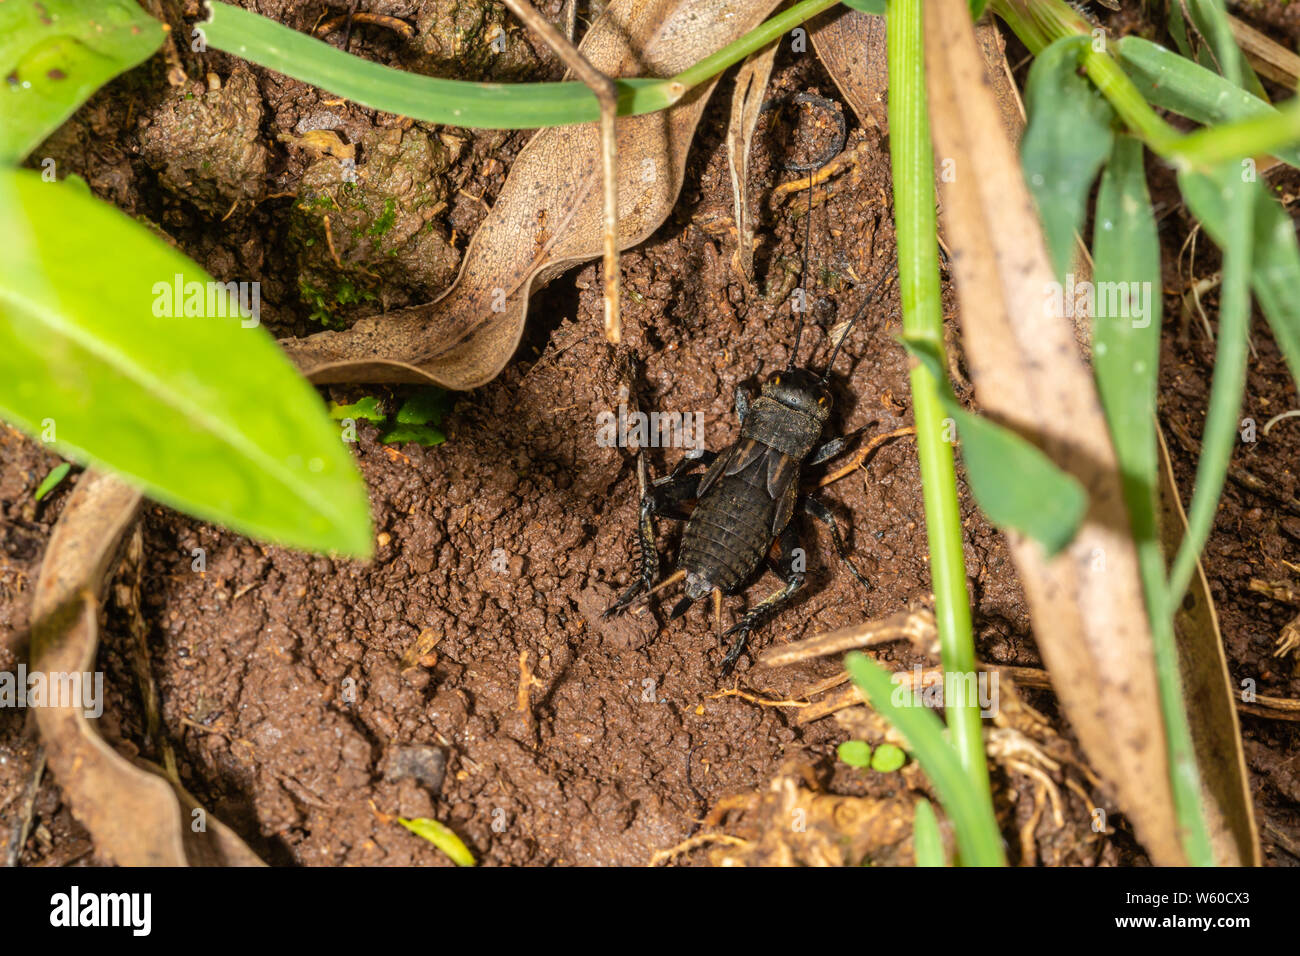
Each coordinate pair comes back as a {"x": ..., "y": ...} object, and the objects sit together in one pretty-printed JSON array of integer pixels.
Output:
[
  {"x": 818, "y": 510},
  {"x": 664, "y": 497},
  {"x": 785, "y": 567}
]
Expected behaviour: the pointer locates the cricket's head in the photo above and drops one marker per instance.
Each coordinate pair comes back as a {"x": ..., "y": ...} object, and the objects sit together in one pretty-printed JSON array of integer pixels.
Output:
[{"x": 800, "y": 389}]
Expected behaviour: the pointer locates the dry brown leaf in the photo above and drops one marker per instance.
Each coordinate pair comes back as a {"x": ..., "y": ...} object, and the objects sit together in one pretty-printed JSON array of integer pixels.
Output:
[
  {"x": 851, "y": 45},
  {"x": 1208, "y": 692},
  {"x": 1216, "y": 735},
  {"x": 548, "y": 217},
  {"x": 1086, "y": 604},
  {"x": 746, "y": 106},
  {"x": 134, "y": 815},
  {"x": 1269, "y": 58}
]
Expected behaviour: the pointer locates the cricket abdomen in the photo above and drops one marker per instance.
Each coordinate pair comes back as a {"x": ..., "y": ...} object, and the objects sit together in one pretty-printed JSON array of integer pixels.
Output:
[{"x": 728, "y": 534}]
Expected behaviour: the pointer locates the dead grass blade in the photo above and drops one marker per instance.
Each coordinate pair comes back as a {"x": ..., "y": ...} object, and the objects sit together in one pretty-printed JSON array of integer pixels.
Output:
[
  {"x": 1207, "y": 687},
  {"x": 746, "y": 105},
  {"x": 1086, "y": 604},
  {"x": 134, "y": 815},
  {"x": 548, "y": 216}
]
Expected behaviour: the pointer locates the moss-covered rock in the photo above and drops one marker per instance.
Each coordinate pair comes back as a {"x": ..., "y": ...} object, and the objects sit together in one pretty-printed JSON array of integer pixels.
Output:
[
  {"x": 474, "y": 40},
  {"x": 372, "y": 232},
  {"x": 205, "y": 144}
]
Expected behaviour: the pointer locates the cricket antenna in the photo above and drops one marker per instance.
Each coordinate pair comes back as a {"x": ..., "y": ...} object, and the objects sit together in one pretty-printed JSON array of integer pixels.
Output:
[
  {"x": 870, "y": 298},
  {"x": 803, "y": 278}
]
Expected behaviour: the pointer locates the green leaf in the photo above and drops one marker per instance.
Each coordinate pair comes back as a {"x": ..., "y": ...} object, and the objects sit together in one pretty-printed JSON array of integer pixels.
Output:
[
  {"x": 1220, "y": 52},
  {"x": 425, "y": 407},
  {"x": 440, "y": 836},
  {"x": 1014, "y": 483},
  {"x": 427, "y": 98},
  {"x": 51, "y": 481},
  {"x": 1126, "y": 325},
  {"x": 1175, "y": 83},
  {"x": 1067, "y": 139},
  {"x": 877, "y": 7},
  {"x": 369, "y": 408},
  {"x": 888, "y": 758},
  {"x": 855, "y": 753},
  {"x": 1205, "y": 195},
  {"x": 1275, "y": 263},
  {"x": 54, "y": 54},
  {"x": 926, "y": 841},
  {"x": 421, "y": 434},
  {"x": 204, "y": 414},
  {"x": 969, "y": 808}
]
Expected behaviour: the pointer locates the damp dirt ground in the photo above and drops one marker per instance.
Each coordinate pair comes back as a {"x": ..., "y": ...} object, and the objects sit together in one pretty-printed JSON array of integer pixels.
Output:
[{"x": 566, "y": 739}]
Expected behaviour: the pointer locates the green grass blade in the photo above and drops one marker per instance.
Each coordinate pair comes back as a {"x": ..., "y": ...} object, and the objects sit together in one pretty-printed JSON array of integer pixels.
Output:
[
  {"x": 926, "y": 841},
  {"x": 1275, "y": 263},
  {"x": 1203, "y": 193},
  {"x": 1275, "y": 276},
  {"x": 462, "y": 103},
  {"x": 203, "y": 414},
  {"x": 441, "y": 836},
  {"x": 51, "y": 481},
  {"x": 1177, "y": 84},
  {"x": 1241, "y": 140},
  {"x": 1067, "y": 140},
  {"x": 430, "y": 99},
  {"x": 969, "y": 808},
  {"x": 55, "y": 54},
  {"x": 912, "y": 162},
  {"x": 1126, "y": 355},
  {"x": 1126, "y": 326},
  {"x": 1013, "y": 482},
  {"x": 1210, "y": 19}
]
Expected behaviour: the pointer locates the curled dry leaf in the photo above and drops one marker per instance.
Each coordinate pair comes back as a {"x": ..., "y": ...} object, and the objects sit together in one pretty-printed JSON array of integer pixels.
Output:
[
  {"x": 548, "y": 217},
  {"x": 1086, "y": 603},
  {"x": 851, "y": 45},
  {"x": 134, "y": 815},
  {"x": 746, "y": 105}
]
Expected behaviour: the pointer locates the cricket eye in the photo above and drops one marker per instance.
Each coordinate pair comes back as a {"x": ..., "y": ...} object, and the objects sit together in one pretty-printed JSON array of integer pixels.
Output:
[{"x": 776, "y": 380}]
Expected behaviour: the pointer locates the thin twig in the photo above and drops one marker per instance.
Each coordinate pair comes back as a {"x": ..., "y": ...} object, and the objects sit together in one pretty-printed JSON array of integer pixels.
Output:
[
  {"x": 862, "y": 454},
  {"x": 607, "y": 95}
]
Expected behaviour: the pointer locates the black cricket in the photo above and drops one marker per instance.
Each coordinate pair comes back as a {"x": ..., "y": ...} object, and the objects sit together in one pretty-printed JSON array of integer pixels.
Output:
[{"x": 745, "y": 500}]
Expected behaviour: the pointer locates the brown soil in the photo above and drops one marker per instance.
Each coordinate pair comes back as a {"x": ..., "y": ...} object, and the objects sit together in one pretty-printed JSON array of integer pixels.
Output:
[{"x": 280, "y": 673}]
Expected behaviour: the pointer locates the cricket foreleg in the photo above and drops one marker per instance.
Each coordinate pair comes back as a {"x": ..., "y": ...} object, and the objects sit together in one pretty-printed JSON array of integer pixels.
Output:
[{"x": 661, "y": 498}]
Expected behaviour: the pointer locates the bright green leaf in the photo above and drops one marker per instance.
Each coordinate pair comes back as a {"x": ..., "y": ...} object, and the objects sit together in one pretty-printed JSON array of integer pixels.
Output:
[
  {"x": 855, "y": 753},
  {"x": 440, "y": 836},
  {"x": 1013, "y": 482},
  {"x": 1175, "y": 83},
  {"x": 56, "y": 475},
  {"x": 54, "y": 54},
  {"x": 203, "y": 412},
  {"x": 888, "y": 758},
  {"x": 420, "y": 434},
  {"x": 877, "y": 7},
  {"x": 431, "y": 99},
  {"x": 926, "y": 841},
  {"x": 1275, "y": 273},
  {"x": 425, "y": 407},
  {"x": 369, "y": 408},
  {"x": 1067, "y": 139},
  {"x": 1126, "y": 325}
]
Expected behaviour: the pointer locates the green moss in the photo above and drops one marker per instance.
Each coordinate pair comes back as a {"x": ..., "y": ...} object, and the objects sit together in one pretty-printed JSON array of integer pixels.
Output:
[{"x": 386, "y": 218}]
